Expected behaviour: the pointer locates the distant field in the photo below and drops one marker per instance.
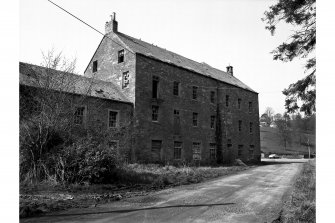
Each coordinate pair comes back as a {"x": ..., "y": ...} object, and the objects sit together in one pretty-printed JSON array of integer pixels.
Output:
[{"x": 271, "y": 142}]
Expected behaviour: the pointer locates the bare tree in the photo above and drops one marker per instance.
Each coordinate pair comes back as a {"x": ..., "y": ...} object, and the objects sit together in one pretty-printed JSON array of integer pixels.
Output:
[
  {"x": 267, "y": 116},
  {"x": 269, "y": 111},
  {"x": 282, "y": 126},
  {"x": 46, "y": 109}
]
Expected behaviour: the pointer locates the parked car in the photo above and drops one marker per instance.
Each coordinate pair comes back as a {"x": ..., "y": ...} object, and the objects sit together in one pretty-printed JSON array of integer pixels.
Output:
[{"x": 274, "y": 156}]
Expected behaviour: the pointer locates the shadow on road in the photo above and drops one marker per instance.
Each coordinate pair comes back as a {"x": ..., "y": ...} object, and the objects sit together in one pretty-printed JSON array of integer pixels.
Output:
[
  {"x": 137, "y": 209},
  {"x": 282, "y": 161}
]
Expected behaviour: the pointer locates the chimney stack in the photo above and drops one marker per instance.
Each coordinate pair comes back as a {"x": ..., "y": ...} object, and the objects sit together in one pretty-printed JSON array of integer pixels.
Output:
[
  {"x": 111, "y": 26},
  {"x": 230, "y": 70}
]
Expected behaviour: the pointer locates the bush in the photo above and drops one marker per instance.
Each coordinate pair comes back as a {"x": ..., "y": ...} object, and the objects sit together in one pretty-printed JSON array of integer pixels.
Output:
[
  {"x": 84, "y": 161},
  {"x": 87, "y": 161},
  {"x": 38, "y": 144}
]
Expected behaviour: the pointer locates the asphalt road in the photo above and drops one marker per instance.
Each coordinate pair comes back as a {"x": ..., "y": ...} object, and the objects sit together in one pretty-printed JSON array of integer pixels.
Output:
[{"x": 254, "y": 195}]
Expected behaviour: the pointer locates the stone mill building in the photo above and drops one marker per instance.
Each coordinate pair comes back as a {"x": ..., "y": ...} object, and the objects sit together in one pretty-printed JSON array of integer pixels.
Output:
[{"x": 182, "y": 111}]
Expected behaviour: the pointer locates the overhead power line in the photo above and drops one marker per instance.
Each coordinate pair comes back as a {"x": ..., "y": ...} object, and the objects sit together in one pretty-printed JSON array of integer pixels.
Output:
[
  {"x": 225, "y": 88},
  {"x": 75, "y": 17},
  {"x": 86, "y": 24}
]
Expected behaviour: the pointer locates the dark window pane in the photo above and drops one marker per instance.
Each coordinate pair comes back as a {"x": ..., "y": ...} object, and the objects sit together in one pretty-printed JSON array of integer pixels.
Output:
[
  {"x": 79, "y": 115},
  {"x": 95, "y": 66},
  {"x": 120, "y": 56},
  {"x": 212, "y": 97},
  {"x": 112, "y": 122},
  {"x": 196, "y": 151},
  {"x": 155, "y": 113},
  {"x": 156, "y": 146},
  {"x": 250, "y": 106},
  {"x": 177, "y": 150},
  {"x": 195, "y": 119},
  {"x": 194, "y": 92},
  {"x": 155, "y": 82},
  {"x": 212, "y": 151},
  {"x": 125, "y": 79},
  {"x": 176, "y": 88}
]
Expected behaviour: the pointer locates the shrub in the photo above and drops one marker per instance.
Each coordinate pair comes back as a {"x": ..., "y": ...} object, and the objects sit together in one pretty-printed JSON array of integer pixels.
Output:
[{"x": 87, "y": 161}]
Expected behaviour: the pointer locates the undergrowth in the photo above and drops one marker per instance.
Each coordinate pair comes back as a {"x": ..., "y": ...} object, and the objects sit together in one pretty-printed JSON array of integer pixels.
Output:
[{"x": 301, "y": 205}]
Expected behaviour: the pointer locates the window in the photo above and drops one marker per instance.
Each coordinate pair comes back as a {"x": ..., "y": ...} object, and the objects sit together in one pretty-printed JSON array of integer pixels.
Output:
[
  {"x": 120, "y": 56},
  {"x": 125, "y": 79},
  {"x": 176, "y": 88},
  {"x": 176, "y": 116},
  {"x": 251, "y": 151},
  {"x": 250, "y": 106},
  {"x": 227, "y": 100},
  {"x": 229, "y": 146},
  {"x": 212, "y": 122},
  {"x": 239, "y": 151},
  {"x": 251, "y": 127},
  {"x": 177, "y": 150},
  {"x": 196, "y": 151},
  {"x": 79, "y": 115},
  {"x": 156, "y": 146},
  {"x": 239, "y": 125},
  {"x": 239, "y": 103},
  {"x": 212, "y": 151},
  {"x": 229, "y": 141},
  {"x": 155, "y": 113},
  {"x": 195, "y": 119},
  {"x": 176, "y": 122},
  {"x": 113, "y": 119},
  {"x": 95, "y": 66},
  {"x": 194, "y": 92},
  {"x": 155, "y": 81},
  {"x": 212, "y": 96}
]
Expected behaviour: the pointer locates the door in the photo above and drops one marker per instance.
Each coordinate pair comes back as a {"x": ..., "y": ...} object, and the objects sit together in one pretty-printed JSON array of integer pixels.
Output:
[{"x": 156, "y": 146}]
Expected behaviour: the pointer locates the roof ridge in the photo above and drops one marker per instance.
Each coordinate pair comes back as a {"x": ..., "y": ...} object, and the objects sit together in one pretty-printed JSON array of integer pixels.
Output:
[
  {"x": 91, "y": 80},
  {"x": 78, "y": 75},
  {"x": 200, "y": 63},
  {"x": 152, "y": 51}
]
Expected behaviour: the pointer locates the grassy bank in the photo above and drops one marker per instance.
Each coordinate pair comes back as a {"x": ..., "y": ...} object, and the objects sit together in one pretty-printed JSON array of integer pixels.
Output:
[
  {"x": 130, "y": 180},
  {"x": 301, "y": 205}
]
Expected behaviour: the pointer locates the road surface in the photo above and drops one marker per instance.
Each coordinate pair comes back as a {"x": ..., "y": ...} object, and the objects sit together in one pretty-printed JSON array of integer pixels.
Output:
[{"x": 254, "y": 195}]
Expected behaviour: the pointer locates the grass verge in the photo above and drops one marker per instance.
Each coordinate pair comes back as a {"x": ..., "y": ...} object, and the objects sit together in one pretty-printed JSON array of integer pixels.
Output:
[
  {"x": 130, "y": 180},
  {"x": 300, "y": 206}
]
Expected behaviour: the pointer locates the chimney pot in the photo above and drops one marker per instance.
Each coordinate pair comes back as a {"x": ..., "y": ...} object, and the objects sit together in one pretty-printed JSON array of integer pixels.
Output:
[
  {"x": 112, "y": 25},
  {"x": 230, "y": 70}
]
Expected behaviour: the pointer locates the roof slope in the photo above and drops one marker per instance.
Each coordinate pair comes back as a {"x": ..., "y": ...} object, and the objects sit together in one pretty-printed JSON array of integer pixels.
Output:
[
  {"x": 37, "y": 76},
  {"x": 147, "y": 49}
]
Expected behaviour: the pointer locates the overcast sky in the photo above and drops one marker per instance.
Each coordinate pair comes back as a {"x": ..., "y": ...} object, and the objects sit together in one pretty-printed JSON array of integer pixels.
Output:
[{"x": 218, "y": 32}]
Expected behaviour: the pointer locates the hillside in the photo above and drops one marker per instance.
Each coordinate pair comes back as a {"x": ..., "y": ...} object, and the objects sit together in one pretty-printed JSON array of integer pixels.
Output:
[{"x": 272, "y": 142}]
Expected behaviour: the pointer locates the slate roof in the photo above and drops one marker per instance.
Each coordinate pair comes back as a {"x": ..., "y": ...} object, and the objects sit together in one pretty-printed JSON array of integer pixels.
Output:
[
  {"x": 149, "y": 50},
  {"x": 37, "y": 76}
]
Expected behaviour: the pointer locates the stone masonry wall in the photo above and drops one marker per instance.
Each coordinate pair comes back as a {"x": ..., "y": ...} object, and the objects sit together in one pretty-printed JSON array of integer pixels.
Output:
[
  {"x": 95, "y": 115},
  {"x": 230, "y": 118},
  {"x": 108, "y": 67},
  {"x": 163, "y": 130}
]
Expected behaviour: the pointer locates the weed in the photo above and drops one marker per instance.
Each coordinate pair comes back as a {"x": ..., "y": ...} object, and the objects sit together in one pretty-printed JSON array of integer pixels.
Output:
[{"x": 301, "y": 205}]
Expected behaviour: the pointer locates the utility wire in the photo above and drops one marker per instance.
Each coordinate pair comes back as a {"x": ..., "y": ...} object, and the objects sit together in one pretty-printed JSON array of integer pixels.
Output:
[
  {"x": 225, "y": 88},
  {"x": 75, "y": 17},
  {"x": 134, "y": 53},
  {"x": 87, "y": 24}
]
